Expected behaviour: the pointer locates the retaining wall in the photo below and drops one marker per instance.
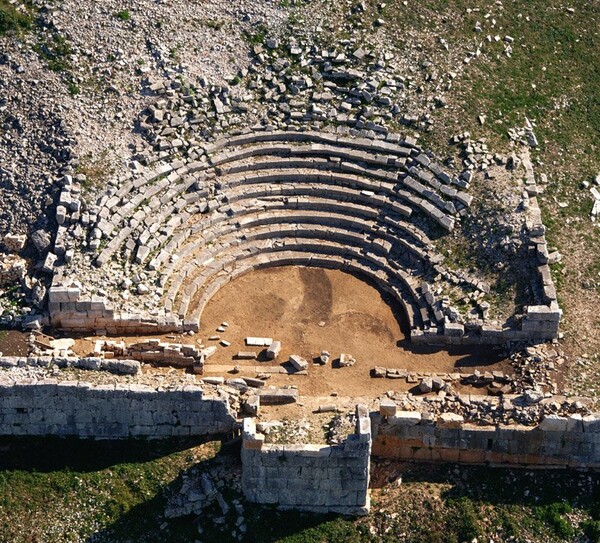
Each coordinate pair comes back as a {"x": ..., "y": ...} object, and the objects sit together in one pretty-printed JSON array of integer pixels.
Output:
[
  {"x": 70, "y": 310},
  {"x": 316, "y": 478},
  {"x": 572, "y": 441},
  {"x": 79, "y": 409}
]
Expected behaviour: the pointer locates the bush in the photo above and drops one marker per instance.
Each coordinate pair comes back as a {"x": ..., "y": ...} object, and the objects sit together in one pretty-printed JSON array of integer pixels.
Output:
[
  {"x": 591, "y": 528},
  {"x": 124, "y": 15},
  {"x": 464, "y": 524}
]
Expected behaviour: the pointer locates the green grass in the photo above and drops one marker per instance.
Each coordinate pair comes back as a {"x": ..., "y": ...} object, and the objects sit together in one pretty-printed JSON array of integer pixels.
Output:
[
  {"x": 214, "y": 24},
  {"x": 73, "y": 89},
  {"x": 464, "y": 524},
  {"x": 257, "y": 37},
  {"x": 550, "y": 76},
  {"x": 96, "y": 169},
  {"x": 12, "y": 20},
  {"x": 123, "y": 15},
  {"x": 68, "y": 490},
  {"x": 553, "y": 515},
  {"x": 591, "y": 528},
  {"x": 55, "y": 51}
]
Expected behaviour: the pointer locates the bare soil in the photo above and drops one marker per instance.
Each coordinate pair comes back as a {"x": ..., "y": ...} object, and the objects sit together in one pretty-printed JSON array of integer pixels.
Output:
[
  {"x": 13, "y": 343},
  {"x": 313, "y": 309}
]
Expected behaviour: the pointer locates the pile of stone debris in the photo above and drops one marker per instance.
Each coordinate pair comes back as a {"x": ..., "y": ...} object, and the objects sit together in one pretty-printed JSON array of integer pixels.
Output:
[
  {"x": 205, "y": 491},
  {"x": 528, "y": 409}
]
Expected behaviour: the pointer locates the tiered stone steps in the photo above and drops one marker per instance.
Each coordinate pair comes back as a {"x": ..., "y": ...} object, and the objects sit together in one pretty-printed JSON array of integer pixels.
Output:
[{"x": 271, "y": 198}]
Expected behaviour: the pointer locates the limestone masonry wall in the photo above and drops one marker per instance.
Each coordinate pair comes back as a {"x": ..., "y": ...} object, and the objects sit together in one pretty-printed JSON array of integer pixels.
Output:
[
  {"x": 70, "y": 310},
  {"x": 71, "y": 408},
  {"x": 316, "y": 478},
  {"x": 572, "y": 441}
]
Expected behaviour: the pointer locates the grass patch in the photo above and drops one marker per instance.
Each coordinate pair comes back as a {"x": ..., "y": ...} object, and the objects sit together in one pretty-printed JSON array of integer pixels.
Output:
[
  {"x": 56, "y": 52},
  {"x": 257, "y": 37},
  {"x": 463, "y": 522},
  {"x": 269, "y": 526},
  {"x": 73, "y": 89},
  {"x": 591, "y": 528},
  {"x": 553, "y": 515},
  {"x": 13, "y": 20},
  {"x": 123, "y": 15},
  {"x": 87, "y": 492},
  {"x": 96, "y": 170},
  {"x": 214, "y": 24}
]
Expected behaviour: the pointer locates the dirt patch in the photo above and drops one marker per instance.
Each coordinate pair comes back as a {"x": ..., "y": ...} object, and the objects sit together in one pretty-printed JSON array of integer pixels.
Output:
[
  {"x": 13, "y": 343},
  {"x": 310, "y": 310}
]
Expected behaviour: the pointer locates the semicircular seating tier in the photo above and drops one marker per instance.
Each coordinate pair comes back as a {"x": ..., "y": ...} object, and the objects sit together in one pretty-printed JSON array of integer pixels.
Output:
[{"x": 261, "y": 199}]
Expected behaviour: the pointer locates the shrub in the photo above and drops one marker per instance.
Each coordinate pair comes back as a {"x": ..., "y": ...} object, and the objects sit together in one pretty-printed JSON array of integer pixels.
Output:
[
  {"x": 123, "y": 15},
  {"x": 552, "y": 515},
  {"x": 464, "y": 524},
  {"x": 591, "y": 528}
]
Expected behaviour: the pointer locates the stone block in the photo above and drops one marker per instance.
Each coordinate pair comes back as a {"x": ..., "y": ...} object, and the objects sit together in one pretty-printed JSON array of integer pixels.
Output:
[
  {"x": 58, "y": 295},
  {"x": 543, "y": 313},
  {"x": 454, "y": 329},
  {"x": 405, "y": 418},
  {"x": 251, "y": 406},
  {"x": 591, "y": 423},
  {"x": 553, "y": 423},
  {"x": 575, "y": 424},
  {"x": 299, "y": 363},
  {"x": 387, "y": 407},
  {"x": 259, "y": 341},
  {"x": 273, "y": 350},
  {"x": 450, "y": 420}
]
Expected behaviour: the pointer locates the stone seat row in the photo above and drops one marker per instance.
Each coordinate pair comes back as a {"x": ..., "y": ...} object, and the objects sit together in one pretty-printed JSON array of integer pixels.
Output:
[
  {"x": 312, "y": 219},
  {"x": 345, "y": 159},
  {"x": 410, "y": 179},
  {"x": 179, "y": 169},
  {"x": 394, "y": 190},
  {"x": 232, "y": 157},
  {"x": 214, "y": 262},
  {"x": 348, "y": 214},
  {"x": 392, "y": 145},
  {"x": 296, "y": 177},
  {"x": 373, "y": 241},
  {"x": 376, "y": 205}
]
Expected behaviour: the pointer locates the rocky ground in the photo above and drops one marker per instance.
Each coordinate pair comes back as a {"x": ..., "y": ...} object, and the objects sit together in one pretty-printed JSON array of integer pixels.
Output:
[
  {"x": 154, "y": 71},
  {"x": 95, "y": 90}
]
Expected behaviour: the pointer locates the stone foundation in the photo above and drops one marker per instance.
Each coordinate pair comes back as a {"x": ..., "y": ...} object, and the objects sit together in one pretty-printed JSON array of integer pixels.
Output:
[
  {"x": 556, "y": 441},
  {"x": 315, "y": 478}
]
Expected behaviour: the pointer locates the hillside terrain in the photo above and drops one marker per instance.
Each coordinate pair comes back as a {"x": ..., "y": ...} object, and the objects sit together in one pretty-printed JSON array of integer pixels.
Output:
[{"x": 97, "y": 93}]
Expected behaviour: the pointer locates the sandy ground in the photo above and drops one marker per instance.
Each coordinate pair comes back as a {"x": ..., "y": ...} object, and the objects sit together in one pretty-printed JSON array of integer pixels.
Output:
[
  {"x": 13, "y": 343},
  {"x": 310, "y": 310}
]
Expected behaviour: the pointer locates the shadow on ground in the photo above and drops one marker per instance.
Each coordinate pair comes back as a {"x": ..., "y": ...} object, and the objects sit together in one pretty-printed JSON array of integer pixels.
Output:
[
  {"x": 144, "y": 521},
  {"x": 470, "y": 355},
  {"x": 84, "y": 455},
  {"x": 494, "y": 485}
]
